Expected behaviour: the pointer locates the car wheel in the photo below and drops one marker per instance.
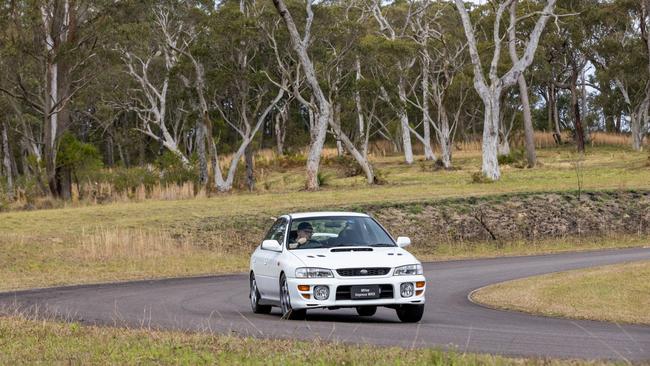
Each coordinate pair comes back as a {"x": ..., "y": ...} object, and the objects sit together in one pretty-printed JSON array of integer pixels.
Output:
[
  {"x": 285, "y": 302},
  {"x": 366, "y": 310},
  {"x": 410, "y": 313},
  {"x": 255, "y": 298}
]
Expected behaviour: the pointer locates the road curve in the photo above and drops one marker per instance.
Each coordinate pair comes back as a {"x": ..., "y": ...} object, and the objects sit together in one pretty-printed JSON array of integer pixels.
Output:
[{"x": 220, "y": 304}]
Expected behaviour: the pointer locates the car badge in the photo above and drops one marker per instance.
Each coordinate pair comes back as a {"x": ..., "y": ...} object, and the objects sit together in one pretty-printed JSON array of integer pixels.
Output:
[{"x": 364, "y": 271}]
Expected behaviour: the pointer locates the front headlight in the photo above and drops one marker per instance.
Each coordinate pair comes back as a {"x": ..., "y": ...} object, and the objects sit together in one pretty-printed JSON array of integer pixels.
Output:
[
  {"x": 408, "y": 270},
  {"x": 309, "y": 272}
]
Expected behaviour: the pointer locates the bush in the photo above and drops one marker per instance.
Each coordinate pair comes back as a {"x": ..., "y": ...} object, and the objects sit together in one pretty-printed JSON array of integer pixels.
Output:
[
  {"x": 323, "y": 179},
  {"x": 173, "y": 171},
  {"x": 348, "y": 166},
  {"x": 478, "y": 177},
  {"x": 516, "y": 158},
  {"x": 82, "y": 159},
  {"x": 127, "y": 180}
]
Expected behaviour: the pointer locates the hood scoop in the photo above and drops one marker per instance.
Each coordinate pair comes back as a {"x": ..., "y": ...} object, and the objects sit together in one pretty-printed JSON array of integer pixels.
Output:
[{"x": 351, "y": 250}]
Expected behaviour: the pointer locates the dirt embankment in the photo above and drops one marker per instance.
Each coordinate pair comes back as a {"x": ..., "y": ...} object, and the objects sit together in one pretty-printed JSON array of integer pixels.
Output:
[
  {"x": 533, "y": 216},
  {"x": 495, "y": 218}
]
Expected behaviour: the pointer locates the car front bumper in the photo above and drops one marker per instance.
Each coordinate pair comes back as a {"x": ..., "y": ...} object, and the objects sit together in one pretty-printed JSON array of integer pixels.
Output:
[{"x": 339, "y": 287}]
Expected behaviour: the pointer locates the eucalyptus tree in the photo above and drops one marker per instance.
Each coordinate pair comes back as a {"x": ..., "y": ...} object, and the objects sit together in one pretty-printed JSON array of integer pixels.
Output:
[
  {"x": 6, "y": 157},
  {"x": 249, "y": 87},
  {"x": 442, "y": 56},
  {"x": 491, "y": 93},
  {"x": 622, "y": 60},
  {"x": 151, "y": 64},
  {"x": 322, "y": 107},
  {"x": 529, "y": 133},
  {"x": 394, "y": 28},
  {"x": 56, "y": 43}
]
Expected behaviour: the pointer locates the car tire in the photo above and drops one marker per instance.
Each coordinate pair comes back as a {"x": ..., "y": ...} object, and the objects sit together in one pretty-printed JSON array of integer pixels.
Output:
[
  {"x": 285, "y": 302},
  {"x": 410, "y": 313},
  {"x": 255, "y": 298},
  {"x": 366, "y": 310}
]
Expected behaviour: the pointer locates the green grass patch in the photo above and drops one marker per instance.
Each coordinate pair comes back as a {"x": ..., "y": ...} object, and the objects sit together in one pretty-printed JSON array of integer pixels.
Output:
[{"x": 616, "y": 293}]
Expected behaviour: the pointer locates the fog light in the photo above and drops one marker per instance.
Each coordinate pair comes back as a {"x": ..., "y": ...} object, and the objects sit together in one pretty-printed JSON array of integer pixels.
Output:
[
  {"x": 321, "y": 292},
  {"x": 406, "y": 289}
]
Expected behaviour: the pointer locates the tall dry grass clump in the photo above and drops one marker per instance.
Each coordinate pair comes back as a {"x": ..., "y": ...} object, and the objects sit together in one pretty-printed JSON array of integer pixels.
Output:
[{"x": 119, "y": 243}]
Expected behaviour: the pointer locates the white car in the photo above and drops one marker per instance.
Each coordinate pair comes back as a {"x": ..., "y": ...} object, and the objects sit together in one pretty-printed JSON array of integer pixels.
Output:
[{"x": 335, "y": 260}]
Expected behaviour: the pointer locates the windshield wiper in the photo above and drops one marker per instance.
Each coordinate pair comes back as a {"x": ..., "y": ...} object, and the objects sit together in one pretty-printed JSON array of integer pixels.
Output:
[{"x": 382, "y": 245}]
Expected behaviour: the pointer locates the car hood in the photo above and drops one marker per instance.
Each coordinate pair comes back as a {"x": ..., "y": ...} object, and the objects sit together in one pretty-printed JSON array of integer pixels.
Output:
[{"x": 332, "y": 258}]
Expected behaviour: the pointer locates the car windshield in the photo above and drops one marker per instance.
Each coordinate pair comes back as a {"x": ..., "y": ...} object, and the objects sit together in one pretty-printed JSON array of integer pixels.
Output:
[{"x": 329, "y": 232}]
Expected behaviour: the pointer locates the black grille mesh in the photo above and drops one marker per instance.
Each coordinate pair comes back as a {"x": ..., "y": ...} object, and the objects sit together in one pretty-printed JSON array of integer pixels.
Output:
[{"x": 352, "y": 272}]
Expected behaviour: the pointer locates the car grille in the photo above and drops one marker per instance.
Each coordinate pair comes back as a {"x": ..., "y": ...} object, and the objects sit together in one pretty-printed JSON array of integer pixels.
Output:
[
  {"x": 353, "y": 272},
  {"x": 344, "y": 292}
]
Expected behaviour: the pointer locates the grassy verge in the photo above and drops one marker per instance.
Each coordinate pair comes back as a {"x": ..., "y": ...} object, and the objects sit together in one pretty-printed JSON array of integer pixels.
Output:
[
  {"x": 617, "y": 293},
  {"x": 27, "y": 342},
  {"x": 118, "y": 255}
]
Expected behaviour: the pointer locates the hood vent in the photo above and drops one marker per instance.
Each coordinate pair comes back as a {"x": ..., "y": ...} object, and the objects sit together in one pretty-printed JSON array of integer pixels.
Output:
[{"x": 351, "y": 250}]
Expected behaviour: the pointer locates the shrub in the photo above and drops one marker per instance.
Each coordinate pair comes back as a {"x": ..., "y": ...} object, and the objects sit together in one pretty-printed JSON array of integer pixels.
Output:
[
  {"x": 381, "y": 176},
  {"x": 127, "y": 180},
  {"x": 348, "y": 165},
  {"x": 173, "y": 171},
  {"x": 81, "y": 159},
  {"x": 323, "y": 179},
  {"x": 516, "y": 158},
  {"x": 478, "y": 177}
]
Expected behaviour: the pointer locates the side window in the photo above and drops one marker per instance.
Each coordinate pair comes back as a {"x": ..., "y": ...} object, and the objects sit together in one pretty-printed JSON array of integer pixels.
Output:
[{"x": 277, "y": 231}]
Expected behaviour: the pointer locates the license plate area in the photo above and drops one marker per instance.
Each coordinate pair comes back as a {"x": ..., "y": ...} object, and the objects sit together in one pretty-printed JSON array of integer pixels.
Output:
[{"x": 364, "y": 292}]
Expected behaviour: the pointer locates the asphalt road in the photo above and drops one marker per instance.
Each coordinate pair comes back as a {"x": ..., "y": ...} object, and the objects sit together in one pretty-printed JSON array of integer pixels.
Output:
[{"x": 220, "y": 304}]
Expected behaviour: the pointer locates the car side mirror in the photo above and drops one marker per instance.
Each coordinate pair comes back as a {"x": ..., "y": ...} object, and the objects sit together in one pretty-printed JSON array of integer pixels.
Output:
[
  {"x": 273, "y": 245},
  {"x": 403, "y": 241}
]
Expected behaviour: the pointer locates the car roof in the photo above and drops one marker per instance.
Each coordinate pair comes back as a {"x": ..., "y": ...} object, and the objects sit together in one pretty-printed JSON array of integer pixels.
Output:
[{"x": 303, "y": 215}]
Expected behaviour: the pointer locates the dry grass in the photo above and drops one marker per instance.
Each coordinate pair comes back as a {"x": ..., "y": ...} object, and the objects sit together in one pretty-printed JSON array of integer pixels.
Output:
[
  {"x": 543, "y": 140},
  {"x": 26, "y": 341},
  {"x": 110, "y": 244},
  {"x": 616, "y": 293},
  {"x": 109, "y": 254}
]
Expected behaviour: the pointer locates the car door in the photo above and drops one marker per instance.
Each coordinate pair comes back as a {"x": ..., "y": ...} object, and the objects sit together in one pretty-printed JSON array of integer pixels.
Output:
[{"x": 266, "y": 262}]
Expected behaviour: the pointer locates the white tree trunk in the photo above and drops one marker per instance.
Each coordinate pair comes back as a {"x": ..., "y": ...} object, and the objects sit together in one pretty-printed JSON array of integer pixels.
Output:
[
  {"x": 359, "y": 108},
  {"x": 490, "y": 94},
  {"x": 637, "y": 118},
  {"x": 6, "y": 160},
  {"x": 443, "y": 133},
  {"x": 280, "y": 128},
  {"x": 324, "y": 107},
  {"x": 359, "y": 157},
  {"x": 225, "y": 185},
  {"x": 490, "y": 164},
  {"x": 426, "y": 117},
  {"x": 404, "y": 124}
]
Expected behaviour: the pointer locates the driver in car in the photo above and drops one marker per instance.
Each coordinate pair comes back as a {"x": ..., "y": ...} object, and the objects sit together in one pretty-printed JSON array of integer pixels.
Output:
[{"x": 304, "y": 233}]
